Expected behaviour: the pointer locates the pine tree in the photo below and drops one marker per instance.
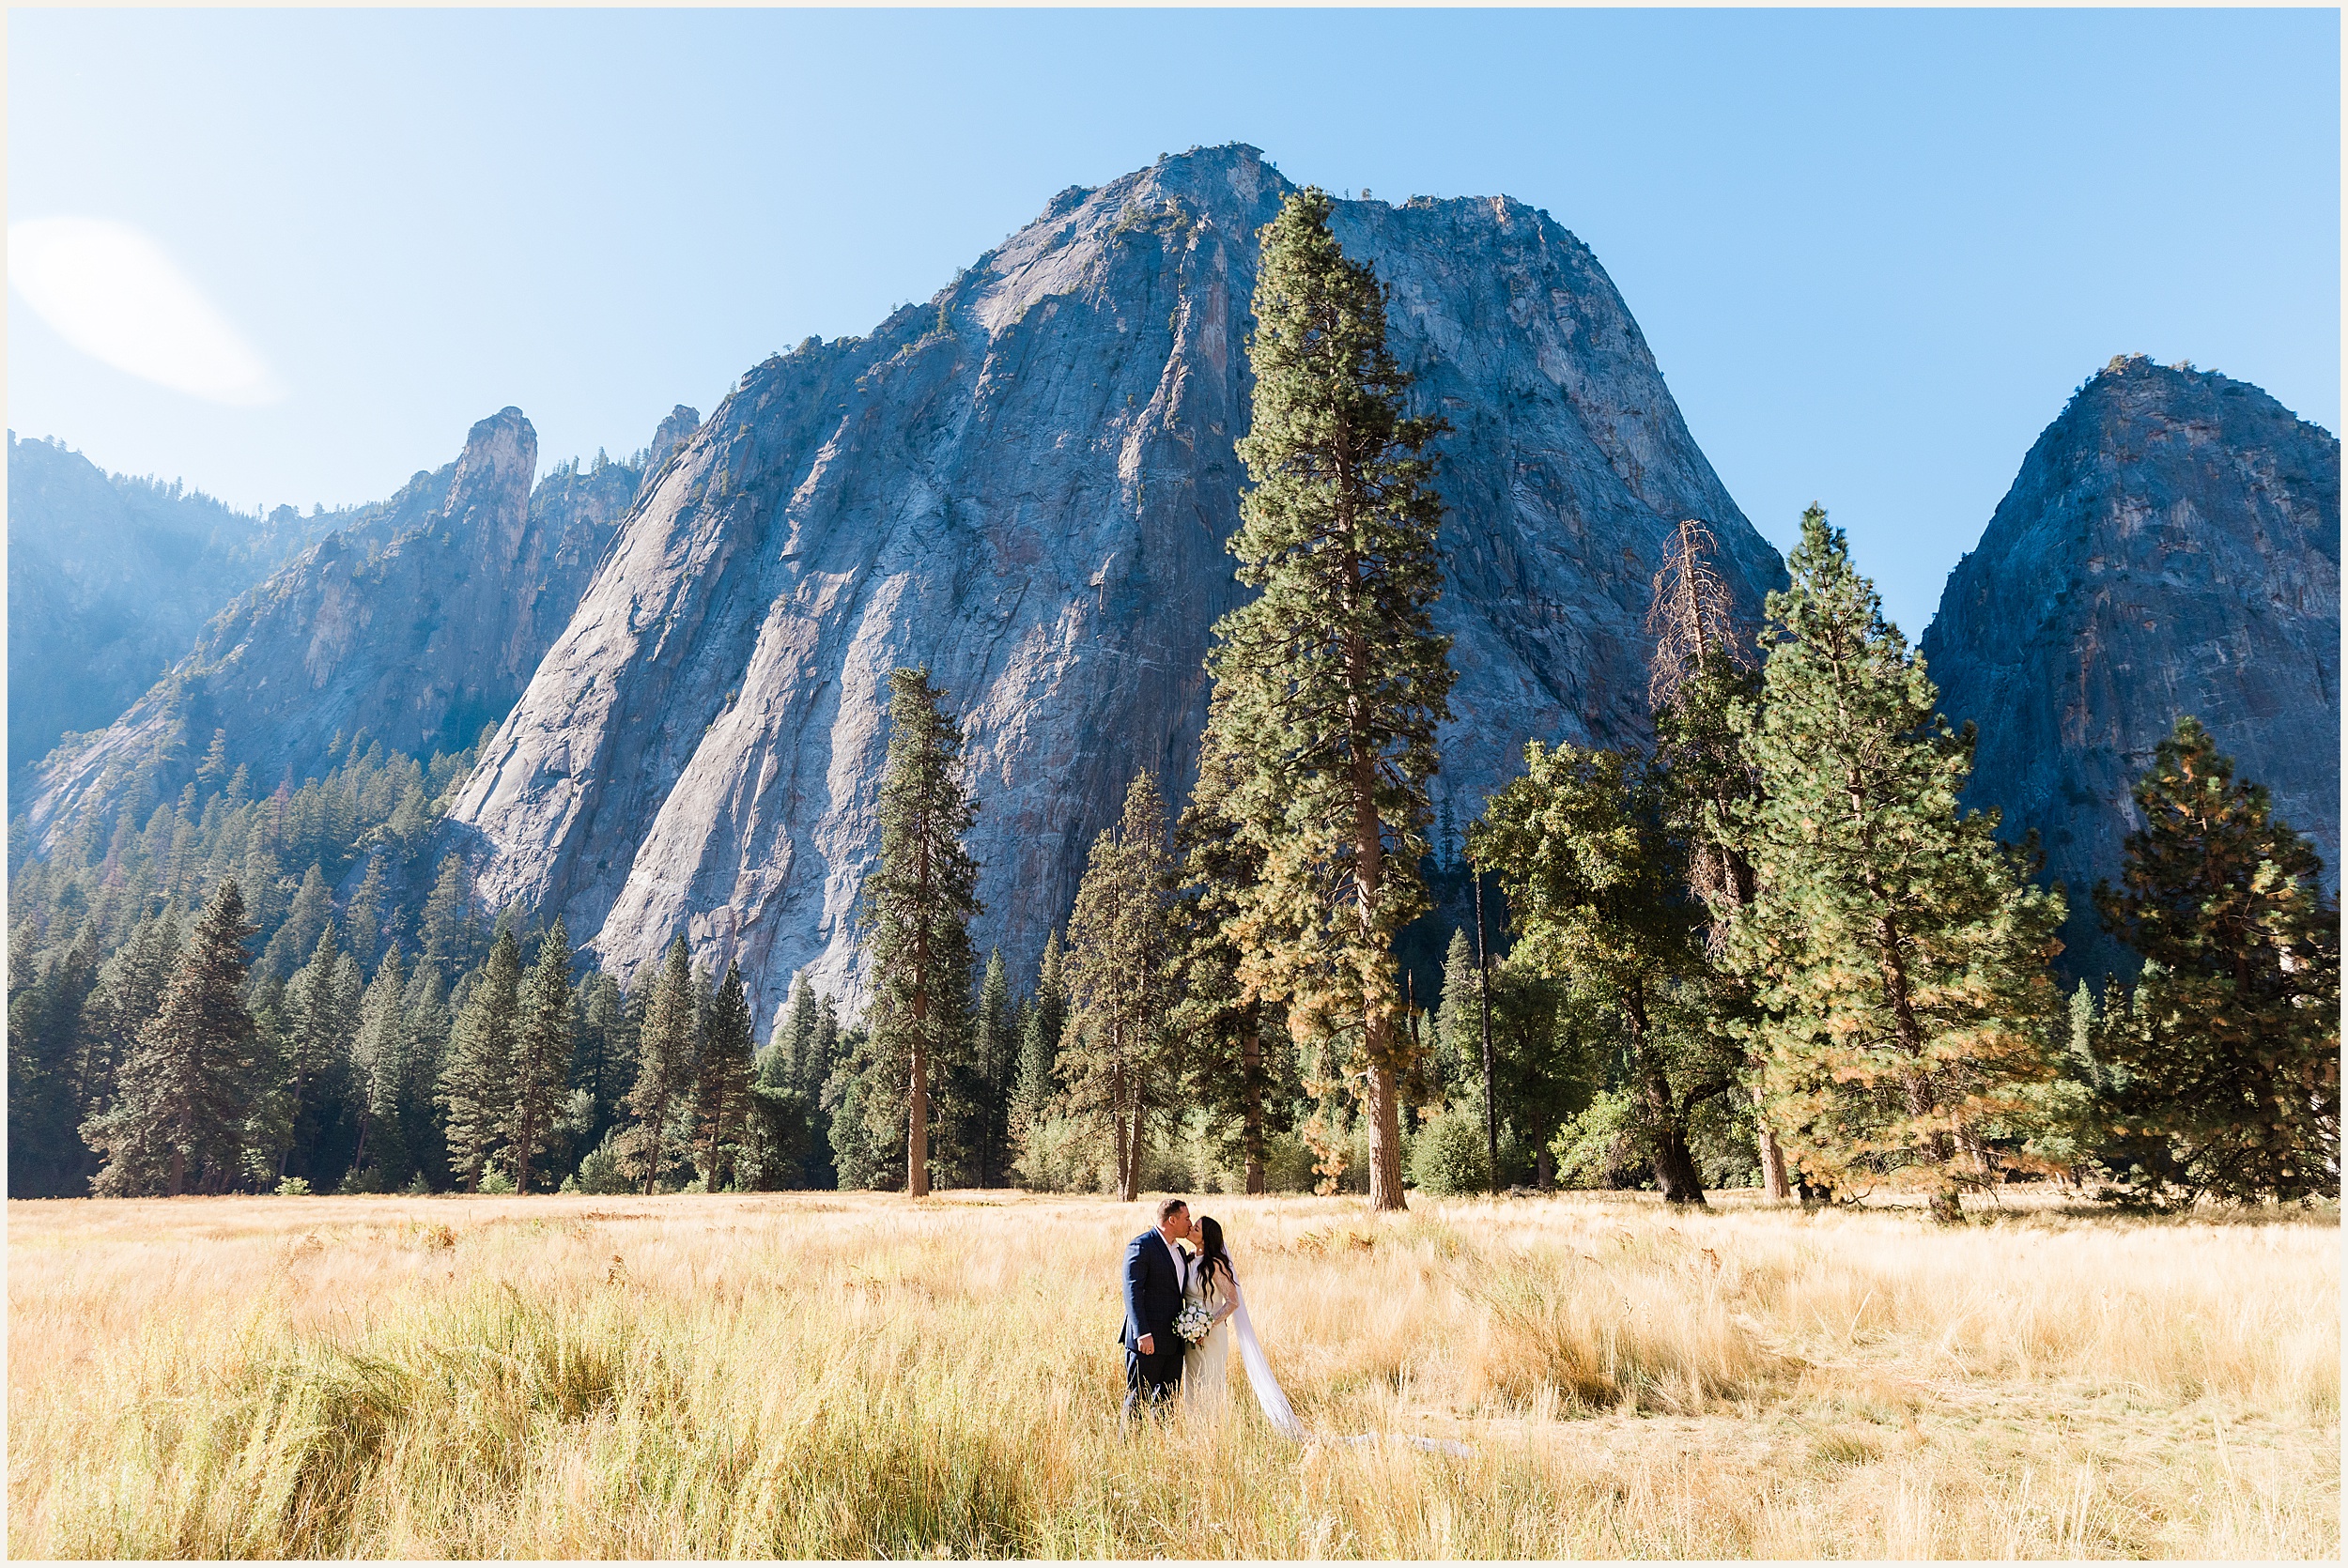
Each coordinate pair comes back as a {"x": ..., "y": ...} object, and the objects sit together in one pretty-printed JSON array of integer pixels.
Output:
[
  {"x": 1896, "y": 948},
  {"x": 1701, "y": 675},
  {"x": 666, "y": 1051},
  {"x": 379, "y": 1061},
  {"x": 542, "y": 1055},
  {"x": 49, "y": 1047},
  {"x": 430, "y": 1026},
  {"x": 721, "y": 1086},
  {"x": 1329, "y": 685},
  {"x": 788, "y": 1064},
  {"x": 1222, "y": 1022},
  {"x": 1115, "y": 1060},
  {"x": 1459, "y": 1027},
  {"x": 915, "y": 924},
  {"x": 130, "y": 991},
  {"x": 995, "y": 1061},
  {"x": 1041, "y": 1024},
  {"x": 365, "y": 916},
  {"x": 477, "y": 1081},
  {"x": 446, "y": 928},
  {"x": 321, "y": 1021},
  {"x": 2234, "y": 1055},
  {"x": 1597, "y": 894},
  {"x": 181, "y": 1114},
  {"x": 309, "y": 915},
  {"x": 606, "y": 1061}
]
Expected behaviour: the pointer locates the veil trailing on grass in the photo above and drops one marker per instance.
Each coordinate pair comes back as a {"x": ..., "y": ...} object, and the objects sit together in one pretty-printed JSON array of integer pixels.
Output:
[{"x": 1275, "y": 1404}]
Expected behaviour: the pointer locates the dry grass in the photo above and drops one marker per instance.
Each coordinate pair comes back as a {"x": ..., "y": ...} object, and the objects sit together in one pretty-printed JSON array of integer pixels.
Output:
[{"x": 853, "y": 1377}]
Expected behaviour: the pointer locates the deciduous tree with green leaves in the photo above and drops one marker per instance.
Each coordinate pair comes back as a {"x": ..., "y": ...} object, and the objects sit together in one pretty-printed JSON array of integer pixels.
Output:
[
  {"x": 1897, "y": 950},
  {"x": 1599, "y": 898},
  {"x": 2233, "y": 1051},
  {"x": 1330, "y": 684}
]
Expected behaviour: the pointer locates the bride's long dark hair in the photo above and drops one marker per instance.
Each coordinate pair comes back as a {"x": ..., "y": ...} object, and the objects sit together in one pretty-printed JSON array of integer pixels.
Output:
[{"x": 1211, "y": 1253}]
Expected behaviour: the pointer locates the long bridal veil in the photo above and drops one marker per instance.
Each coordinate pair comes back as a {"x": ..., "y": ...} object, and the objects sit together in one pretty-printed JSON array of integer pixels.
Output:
[{"x": 1275, "y": 1404}]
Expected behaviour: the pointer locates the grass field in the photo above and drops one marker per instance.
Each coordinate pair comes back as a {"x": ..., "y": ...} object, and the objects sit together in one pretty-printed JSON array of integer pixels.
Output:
[{"x": 850, "y": 1377}]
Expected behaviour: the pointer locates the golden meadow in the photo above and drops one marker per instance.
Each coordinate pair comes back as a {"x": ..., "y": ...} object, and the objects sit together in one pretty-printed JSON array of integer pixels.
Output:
[{"x": 853, "y": 1376}]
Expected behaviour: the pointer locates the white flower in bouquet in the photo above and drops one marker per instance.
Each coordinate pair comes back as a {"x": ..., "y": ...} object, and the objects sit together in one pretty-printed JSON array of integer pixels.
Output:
[{"x": 1193, "y": 1322}]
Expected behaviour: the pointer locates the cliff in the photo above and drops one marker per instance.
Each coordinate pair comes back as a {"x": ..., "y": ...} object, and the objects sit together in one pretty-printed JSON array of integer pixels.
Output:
[
  {"x": 418, "y": 620},
  {"x": 1025, "y": 484},
  {"x": 2171, "y": 546}
]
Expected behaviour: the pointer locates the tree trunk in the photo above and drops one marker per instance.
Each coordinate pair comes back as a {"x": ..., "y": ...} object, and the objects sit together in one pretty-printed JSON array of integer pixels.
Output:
[
  {"x": 1675, "y": 1174},
  {"x": 918, "y": 1115},
  {"x": 1385, "y": 1140},
  {"x": 1772, "y": 1158},
  {"x": 1251, "y": 1093}
]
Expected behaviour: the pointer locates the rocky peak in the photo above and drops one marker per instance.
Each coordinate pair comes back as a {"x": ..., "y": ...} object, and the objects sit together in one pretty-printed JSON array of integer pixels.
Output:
[
  {"x": 418, "y": 620},
  {"x": 489, "y": 496},
  {"x": 2170, "y": 545},
  {"x": 1024, "y": 484},
  {"x": 671, "y": 433}
]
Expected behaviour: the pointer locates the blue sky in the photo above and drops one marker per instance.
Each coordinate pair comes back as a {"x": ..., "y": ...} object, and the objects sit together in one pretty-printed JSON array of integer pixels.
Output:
[{"x": 1874, "y": 252}]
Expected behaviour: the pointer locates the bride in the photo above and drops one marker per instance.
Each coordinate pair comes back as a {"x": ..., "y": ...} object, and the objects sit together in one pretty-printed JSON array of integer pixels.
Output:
[{"x": 1211, "y": 1283}]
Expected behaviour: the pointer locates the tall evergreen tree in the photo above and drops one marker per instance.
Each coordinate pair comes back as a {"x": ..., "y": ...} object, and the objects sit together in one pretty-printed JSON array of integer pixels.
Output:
[
  {"x": 1329, "y": 684},
  {"x": 1040, "y": 1024},
  {"x": 786, "y": 1064},
  {"x": 379, "y": 1060},
  {"x": 1459, "y": 1025},
  {"x": 666, "y": 1054},
  {"x": 1222, "y": 1022},
  {"x": 306, "y": 918},
  {"x": 2234, "y": 1055},
  {"x": 321, "y": 1021},
  {"x": 995, "y": 1065},
  {"x": 721, "y": 1083},
  {"x": 542, "y": 1055},
  {"x": 181, "y": 1114},
  {"x": 477, "y": 1081},
  {"x": 363, "y": 918},
  {"x": 917, "y": 906},
  {"x": 1701, "y": 675},
  {"x": 445, "y": 929},
  {"x": 1116, "y": 1060},
  {"x": 50, "y": 1043},
  {"x": 430, "y": 1027},
  {"x": 606, "y": 1061},
  {"x": 1898, "y": 951}
]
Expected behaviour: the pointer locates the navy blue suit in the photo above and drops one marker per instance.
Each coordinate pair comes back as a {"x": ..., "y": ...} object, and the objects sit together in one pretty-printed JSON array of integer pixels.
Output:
[{"x": 1154, "y": 1297}]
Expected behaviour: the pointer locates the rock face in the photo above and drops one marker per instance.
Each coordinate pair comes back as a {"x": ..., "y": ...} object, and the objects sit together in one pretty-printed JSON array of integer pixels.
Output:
[
  {"x": 2171, "y": 546},
  {"x": 1025, "y": 484},
  {"x": 419, "y": 622},
  {"x": 110, "y": 580}
]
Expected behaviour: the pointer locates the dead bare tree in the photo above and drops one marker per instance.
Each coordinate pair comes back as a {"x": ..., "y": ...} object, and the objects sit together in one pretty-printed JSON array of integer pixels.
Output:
[{"x": 1693, "y": 617}]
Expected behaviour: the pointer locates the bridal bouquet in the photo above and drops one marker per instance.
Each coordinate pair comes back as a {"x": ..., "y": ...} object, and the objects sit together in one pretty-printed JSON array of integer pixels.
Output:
[{"x": 1193, "y": 1322}]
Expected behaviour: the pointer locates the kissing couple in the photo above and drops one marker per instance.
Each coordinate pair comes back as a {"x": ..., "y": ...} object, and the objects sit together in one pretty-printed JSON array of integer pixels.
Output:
[{"x": 1183, "y": 1311}]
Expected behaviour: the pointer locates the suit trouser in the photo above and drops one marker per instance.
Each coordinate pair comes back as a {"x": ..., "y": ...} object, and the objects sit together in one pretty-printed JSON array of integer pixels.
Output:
[{"x": 1150, "y": 1380}]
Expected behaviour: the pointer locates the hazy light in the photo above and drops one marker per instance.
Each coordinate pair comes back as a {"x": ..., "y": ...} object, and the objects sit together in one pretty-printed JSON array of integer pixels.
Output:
[{"x": 110, "y": 291}]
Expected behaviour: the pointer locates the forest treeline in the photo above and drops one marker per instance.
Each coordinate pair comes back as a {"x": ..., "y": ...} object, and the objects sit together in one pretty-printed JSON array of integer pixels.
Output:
[{"x": 1765, "y": 947}]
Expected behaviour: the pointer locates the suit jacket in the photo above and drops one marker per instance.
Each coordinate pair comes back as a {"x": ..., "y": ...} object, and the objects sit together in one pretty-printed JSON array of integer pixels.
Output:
[{"x": 1153, "y": 1292}]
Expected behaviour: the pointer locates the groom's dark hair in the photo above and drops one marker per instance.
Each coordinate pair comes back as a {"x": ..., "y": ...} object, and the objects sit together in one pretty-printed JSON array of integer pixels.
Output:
[{"x": 1166, "y": 1208}]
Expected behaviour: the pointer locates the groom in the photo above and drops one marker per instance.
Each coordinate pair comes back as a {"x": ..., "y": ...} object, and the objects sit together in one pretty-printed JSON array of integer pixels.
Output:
[{"x": 1154, "y": 1296}]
